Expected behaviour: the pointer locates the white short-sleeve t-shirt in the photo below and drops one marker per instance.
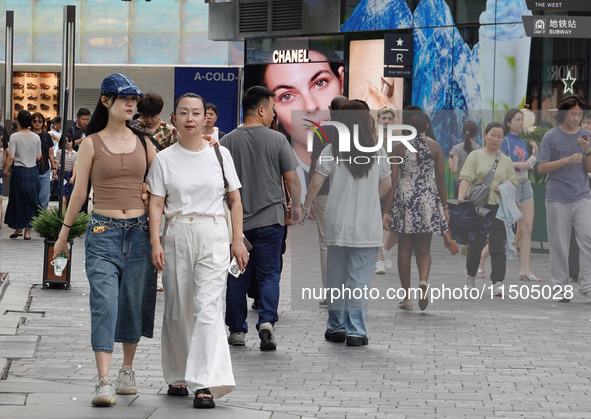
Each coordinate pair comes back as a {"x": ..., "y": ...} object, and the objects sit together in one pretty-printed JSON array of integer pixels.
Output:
[
  {"x": 191, "y": 181},
  {"x": 353, "y": 217}
]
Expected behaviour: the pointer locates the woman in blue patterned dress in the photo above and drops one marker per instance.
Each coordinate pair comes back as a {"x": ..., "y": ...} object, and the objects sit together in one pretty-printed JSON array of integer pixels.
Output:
[{"x": 417, "y": 204}]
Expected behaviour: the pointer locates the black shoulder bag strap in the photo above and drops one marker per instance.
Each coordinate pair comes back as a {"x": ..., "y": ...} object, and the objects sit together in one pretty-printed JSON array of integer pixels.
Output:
[
  {"x": 490, "y": 175},
  {"x": 143, "y": 141},
  {"x": 221, "y": 160}
]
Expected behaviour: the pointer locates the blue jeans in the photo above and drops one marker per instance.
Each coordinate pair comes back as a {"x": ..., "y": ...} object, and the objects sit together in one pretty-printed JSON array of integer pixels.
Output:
[
  {"x": 349, "y": 269},
  {"x": 524, "y": 192},
  {"x": 45, "y": 180},
  {"x": 122, "y": 280},
  {"x": 265, "y": 259}
]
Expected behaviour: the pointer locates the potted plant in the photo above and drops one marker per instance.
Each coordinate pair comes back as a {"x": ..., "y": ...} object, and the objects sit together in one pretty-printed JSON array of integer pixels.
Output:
[
  {"x": 47, "y": 224},
  {"x": 539, "y": 231}
]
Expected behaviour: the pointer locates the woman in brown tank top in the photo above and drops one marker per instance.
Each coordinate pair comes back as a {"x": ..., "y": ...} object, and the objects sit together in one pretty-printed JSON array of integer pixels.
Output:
[{"x": 115, "y": 157}]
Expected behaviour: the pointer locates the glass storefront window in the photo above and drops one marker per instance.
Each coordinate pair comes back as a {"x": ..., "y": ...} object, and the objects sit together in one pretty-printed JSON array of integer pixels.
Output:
[
  {"x": 103, "y": 27},
  {"x": 195, "y": 47},
  {"x": 154, "y": 32},
  {"x": 116, "y": 32},
  {"x": 48, "y": 23},
  {"x": 559, "y": 68},
  {"x": 23, "y": 29}
]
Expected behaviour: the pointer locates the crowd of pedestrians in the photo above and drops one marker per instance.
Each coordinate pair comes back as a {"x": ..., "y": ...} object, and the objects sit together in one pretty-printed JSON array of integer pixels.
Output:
[{"x": 195, "y": 203}]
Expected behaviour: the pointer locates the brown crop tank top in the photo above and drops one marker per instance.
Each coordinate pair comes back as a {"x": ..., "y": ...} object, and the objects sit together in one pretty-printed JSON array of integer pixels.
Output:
[{"x": 117, "y": 177}]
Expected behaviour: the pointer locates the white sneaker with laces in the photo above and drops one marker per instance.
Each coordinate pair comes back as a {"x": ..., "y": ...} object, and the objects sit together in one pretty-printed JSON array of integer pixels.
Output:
[
  {"x": 380, "y": 269},
  {"x": 387, "y": 257},
  {"x": 126, "y": 381},
  {"x": 267, "y": 336},
  {"x": 103, "y": 393},
  {"x": 470, "y": 282}
]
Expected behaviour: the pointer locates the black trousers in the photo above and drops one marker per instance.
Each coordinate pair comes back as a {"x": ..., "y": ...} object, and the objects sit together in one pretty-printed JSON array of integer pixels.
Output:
[{"x": 497, "y": 240}]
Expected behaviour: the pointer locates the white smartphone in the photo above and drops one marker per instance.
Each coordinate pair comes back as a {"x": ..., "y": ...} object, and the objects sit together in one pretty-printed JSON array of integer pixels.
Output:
[{"x": 234, "y": 269}]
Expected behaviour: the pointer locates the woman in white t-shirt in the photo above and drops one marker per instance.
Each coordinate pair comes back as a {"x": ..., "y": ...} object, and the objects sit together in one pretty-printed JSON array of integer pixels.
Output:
[{"x": 187, "y": 185}]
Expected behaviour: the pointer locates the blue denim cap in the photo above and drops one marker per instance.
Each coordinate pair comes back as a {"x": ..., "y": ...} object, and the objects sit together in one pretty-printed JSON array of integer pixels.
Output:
[{"x": 121, "y": 85}]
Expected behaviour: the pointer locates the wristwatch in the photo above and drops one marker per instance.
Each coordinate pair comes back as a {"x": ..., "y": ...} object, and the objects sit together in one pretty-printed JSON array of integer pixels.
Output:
[{"x": 588, "y": 153}]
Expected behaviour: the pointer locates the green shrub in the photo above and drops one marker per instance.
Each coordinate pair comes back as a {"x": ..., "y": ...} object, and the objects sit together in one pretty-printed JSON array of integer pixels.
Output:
[{"x": 48, "y": 222}]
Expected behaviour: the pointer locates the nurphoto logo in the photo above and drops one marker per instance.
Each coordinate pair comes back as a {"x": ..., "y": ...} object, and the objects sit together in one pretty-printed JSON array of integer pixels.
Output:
[{"x": 393, "y": 134}]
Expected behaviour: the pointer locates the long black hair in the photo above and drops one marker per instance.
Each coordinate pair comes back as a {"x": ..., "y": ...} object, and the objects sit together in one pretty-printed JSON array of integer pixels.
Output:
[
  {"x": 100, "y": 117},
  {"x": 470, "y": 131},
  {"x": 416, "y": 117},
  {"x": 428, "y": 130},
  {"x": 355, "y": 114}
]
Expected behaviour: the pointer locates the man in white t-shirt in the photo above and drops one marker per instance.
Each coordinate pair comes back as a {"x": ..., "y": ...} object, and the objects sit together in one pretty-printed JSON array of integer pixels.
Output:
[{"x": 211, "y": 117}]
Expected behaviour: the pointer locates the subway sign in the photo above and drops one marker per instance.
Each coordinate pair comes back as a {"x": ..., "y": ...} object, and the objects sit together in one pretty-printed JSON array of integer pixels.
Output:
[{"x": 566, "y": 5}]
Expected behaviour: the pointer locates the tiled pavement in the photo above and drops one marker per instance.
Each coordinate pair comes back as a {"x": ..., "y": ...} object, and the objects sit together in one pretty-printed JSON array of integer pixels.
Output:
[{"x": 521, "y": 357}]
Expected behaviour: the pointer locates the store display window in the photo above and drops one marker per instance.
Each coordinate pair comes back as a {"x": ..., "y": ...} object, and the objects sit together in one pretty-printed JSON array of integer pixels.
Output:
[{"x": 36, "y": 92}]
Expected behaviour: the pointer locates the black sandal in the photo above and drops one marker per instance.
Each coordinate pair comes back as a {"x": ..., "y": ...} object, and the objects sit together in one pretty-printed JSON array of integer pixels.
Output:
[
  {"x": 203, "y": 402},
  {"x": 177, "y": 391}
]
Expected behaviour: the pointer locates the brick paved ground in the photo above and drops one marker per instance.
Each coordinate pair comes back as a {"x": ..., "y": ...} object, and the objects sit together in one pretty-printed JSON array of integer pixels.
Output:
[{"x": 461, "y": 358}]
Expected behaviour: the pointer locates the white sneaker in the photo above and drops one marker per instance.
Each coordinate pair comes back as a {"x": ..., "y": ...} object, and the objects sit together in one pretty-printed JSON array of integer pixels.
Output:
[
  {"x": 126, "y": 381},
  {"x": 387, "y": 258},
  {"x": 267, "y": 335},
  {"x": 481, "y": 274},
  {"x": 470, "y": 282},
  {"x": 380, "y": 269},
  {"x": 104, "y": 394},
  {"x": 498, "y": 289}
]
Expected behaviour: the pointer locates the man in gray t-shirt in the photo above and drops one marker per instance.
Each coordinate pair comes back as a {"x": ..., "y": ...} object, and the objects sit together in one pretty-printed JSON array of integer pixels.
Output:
[
  {"x": 565, "y": 155},
  {"x": 261, "y": 157}
]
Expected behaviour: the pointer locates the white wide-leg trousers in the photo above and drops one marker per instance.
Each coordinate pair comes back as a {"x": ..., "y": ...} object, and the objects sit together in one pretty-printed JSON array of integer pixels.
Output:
[{"x": 195, "y": 349}]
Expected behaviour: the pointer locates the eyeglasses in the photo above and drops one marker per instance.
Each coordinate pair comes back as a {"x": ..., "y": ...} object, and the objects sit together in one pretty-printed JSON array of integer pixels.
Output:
[
  {"x": 37, "y": 121},
  {"x": 68, "y": 140}
]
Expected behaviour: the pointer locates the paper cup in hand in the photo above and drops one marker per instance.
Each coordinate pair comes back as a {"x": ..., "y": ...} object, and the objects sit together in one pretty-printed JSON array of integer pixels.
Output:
[{"x": 59, "y": 264}]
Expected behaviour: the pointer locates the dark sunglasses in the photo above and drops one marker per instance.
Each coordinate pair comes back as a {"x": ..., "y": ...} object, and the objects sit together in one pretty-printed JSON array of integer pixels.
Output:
[
  {"x": 37, "y": 121},
  {"x": 68, "y": 140}
]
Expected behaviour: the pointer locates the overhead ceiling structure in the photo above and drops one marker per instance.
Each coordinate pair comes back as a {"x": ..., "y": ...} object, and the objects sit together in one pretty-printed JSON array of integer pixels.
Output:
[{"x": 239, "y": 19}]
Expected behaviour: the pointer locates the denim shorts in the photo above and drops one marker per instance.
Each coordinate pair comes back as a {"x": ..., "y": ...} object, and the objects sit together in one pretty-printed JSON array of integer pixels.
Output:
[
  {"x": 122, "y": 280},
  {"x": 524, "y": 191}
]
